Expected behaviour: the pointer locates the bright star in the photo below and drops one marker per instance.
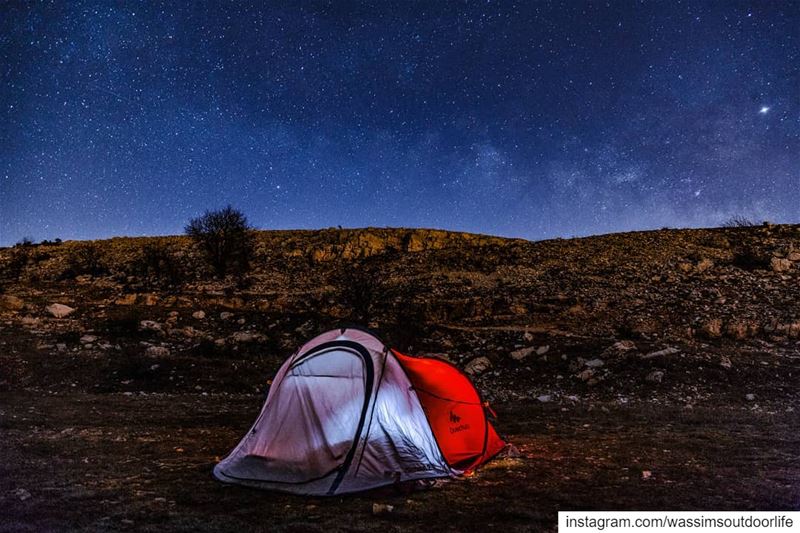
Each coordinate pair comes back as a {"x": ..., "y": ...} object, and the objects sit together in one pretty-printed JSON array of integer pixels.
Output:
[{"x": 763, "y": 110}]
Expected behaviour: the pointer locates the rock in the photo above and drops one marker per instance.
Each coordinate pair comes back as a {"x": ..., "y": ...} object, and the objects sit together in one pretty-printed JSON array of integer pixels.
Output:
[
  {"x": 646, "y": 474},
  {"x": 624, "y": 346},
  {"x": 477, "y": 366},
  {"x": 22, "y": 494},
  {"x": 381, "y": 508},
  {"x": 59, "y": 310},
  {"x": 88, "y": 339},
  {"x": 522, "y": 353},
  {"x": 61, "y": 347},
  {"x": 750, "y": 397},
  {"x": 704, "y": 265},
  {"x": 741, "y": 329},
  {"x": 585, "y": 375},
  {"x": 127, "y": 299},
  {"x": 656, "y": 376},
  {"x": 666, "y": 351},
  {"x": 150, "y": 325},
  {"x": 725, "y": 362},
  {"x": 712, "y": 328},
  {"x": 528, "y": 337},
  {"x": 225, "y": 315},
  {"x": 793, "y": 256},
  {"x": 541, "y": 350},
  {"x": 544, "y": 398},
  {"x": 595, "y": 363},
  {"x": 29, "y": 321},
  {"x": 156, "y": 351},
  {"x": 11, "y": 303},
  {"x": 779, "y": 264},
  {"x": 199, "y": 315},
  {"x": 244, "y": 336}
]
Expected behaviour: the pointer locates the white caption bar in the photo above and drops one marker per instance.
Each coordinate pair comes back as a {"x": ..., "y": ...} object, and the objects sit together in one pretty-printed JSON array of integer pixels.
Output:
[{"x": 672, "y": 521}]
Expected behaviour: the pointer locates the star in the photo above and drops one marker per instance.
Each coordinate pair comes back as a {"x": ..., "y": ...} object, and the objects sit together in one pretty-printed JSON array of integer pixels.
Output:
[{"x": 764, "y": 110}]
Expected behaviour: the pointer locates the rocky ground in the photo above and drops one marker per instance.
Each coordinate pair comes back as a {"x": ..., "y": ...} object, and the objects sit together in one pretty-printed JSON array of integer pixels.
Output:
[{"x": 641, "y": 370}]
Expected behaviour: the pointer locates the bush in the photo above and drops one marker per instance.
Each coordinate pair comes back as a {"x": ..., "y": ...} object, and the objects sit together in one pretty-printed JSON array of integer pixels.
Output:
[
  {"x": 17, "y": 260},
  {"x": 157, "y": 264},
  {"x": 226, "y": 239},
  {"x": 738, "y": 221},
  {"x": 358, "y": 287},
  {"x": 85, "y": 259}
]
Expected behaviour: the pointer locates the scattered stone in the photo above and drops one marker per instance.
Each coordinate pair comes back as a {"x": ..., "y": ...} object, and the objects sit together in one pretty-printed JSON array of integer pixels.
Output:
[
  {"x": 544, "y": 398},
  {"x": 779, "y": 264},
  {"x": 594, "y": 363},
  {"x": 624, "y": 346},
  {"x": 244, "y": 336},
  {"x": 541, "y": 350},
  {"x": 61, "y": 347},
  {"x": 29, "y": 321},
  {"x": 712, "y": 328},
  {"x": 199, "y": 315},
  {"x": 793, "y": 256},
  {"x": 656, "y": 376},
  {"x": 88, "y": 339},
  {"x": 59, "y": 310},
  {"x": 22, "y": 494},
  {"x": 704, "y": 265},
  {"x": 646, "y": 474},
  {"x": 157, "y": 351},
  {"x": 522, "y": 353},
  {"x": 11, "y": 303},
  {"x": 725, "y": 362},
  {"x": 666, "y": 351},
  {"x": 750, "y": 397},
  {"x": 225, "y": 315},
  {"x": 477, "y": 366},
  {"x": 127, "y": 299},
  {"x": 381, "y": 508},
  {"x": 150, "y": 325},
  {"x": 528, "y": 336},
  {"x": 585, "y": 375}
]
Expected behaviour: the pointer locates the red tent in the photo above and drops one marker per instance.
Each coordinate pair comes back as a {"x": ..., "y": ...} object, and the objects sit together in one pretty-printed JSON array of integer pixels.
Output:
[{"x": 345, "y": 413}]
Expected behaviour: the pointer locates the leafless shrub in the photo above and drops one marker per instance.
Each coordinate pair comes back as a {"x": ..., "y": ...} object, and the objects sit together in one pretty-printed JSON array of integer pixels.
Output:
[{"x": 225, "y": 237}]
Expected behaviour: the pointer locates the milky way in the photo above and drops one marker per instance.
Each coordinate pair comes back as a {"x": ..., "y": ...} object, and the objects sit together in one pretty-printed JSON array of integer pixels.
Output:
[{"x": 531, "y": 119}]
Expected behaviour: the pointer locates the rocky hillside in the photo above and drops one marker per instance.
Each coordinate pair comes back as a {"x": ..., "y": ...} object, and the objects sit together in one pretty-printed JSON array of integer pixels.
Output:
[{"x": 670, "y": 315}]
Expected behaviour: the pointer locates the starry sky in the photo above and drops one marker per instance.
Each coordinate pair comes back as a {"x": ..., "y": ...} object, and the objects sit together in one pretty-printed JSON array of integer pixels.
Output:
[{"x": 529, "y": 119}]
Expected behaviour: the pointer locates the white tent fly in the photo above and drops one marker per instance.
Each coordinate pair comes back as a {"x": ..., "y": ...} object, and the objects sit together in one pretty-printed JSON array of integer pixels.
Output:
[{"x": 345, "y": 414}]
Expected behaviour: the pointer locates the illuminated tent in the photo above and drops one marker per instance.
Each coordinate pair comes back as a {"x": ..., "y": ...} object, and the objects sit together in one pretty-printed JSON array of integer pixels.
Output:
[{"x": 345, "y": 413}]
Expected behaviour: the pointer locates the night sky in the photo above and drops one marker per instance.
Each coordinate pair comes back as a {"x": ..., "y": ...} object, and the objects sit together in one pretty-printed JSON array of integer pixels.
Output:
[{"x": 530, "y": 119}]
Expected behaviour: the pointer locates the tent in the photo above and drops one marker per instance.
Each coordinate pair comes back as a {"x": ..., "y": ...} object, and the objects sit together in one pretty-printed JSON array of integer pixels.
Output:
[{"x": 345, "y": 413}]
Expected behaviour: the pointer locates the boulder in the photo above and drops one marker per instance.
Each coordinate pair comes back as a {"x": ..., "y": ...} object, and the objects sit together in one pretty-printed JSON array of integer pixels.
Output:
[
  {"x": 156, "y": 351},
  {"x": 150, "y": 325},
  {"x": 477, "y": 366},
  {"x": 11, "y": 303},
  {"x": 59, "y": 310},
  {"x": 779, "y": 264},
  {"x": 659, "y": 353},
  {"x": 712, "y": 328},
  {"x": 522, "y": 353}
]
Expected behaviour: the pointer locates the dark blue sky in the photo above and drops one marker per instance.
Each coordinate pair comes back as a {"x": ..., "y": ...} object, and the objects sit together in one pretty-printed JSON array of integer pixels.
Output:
[{"x": 531, "y": 119}]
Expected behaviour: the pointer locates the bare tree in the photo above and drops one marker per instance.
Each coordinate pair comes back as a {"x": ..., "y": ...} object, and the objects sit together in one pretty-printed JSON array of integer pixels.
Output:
[
  {"x": 225, "y": 237},
  {"x": 738, "y": 221}
]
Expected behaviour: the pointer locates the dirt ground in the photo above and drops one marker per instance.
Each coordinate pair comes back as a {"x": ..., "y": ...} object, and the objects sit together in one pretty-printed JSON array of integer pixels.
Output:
[{"x": 143, "y": 462}]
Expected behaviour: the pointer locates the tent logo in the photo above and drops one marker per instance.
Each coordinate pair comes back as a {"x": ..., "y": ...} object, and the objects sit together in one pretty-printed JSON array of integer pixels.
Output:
[{"x": 455, "y": 419}]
